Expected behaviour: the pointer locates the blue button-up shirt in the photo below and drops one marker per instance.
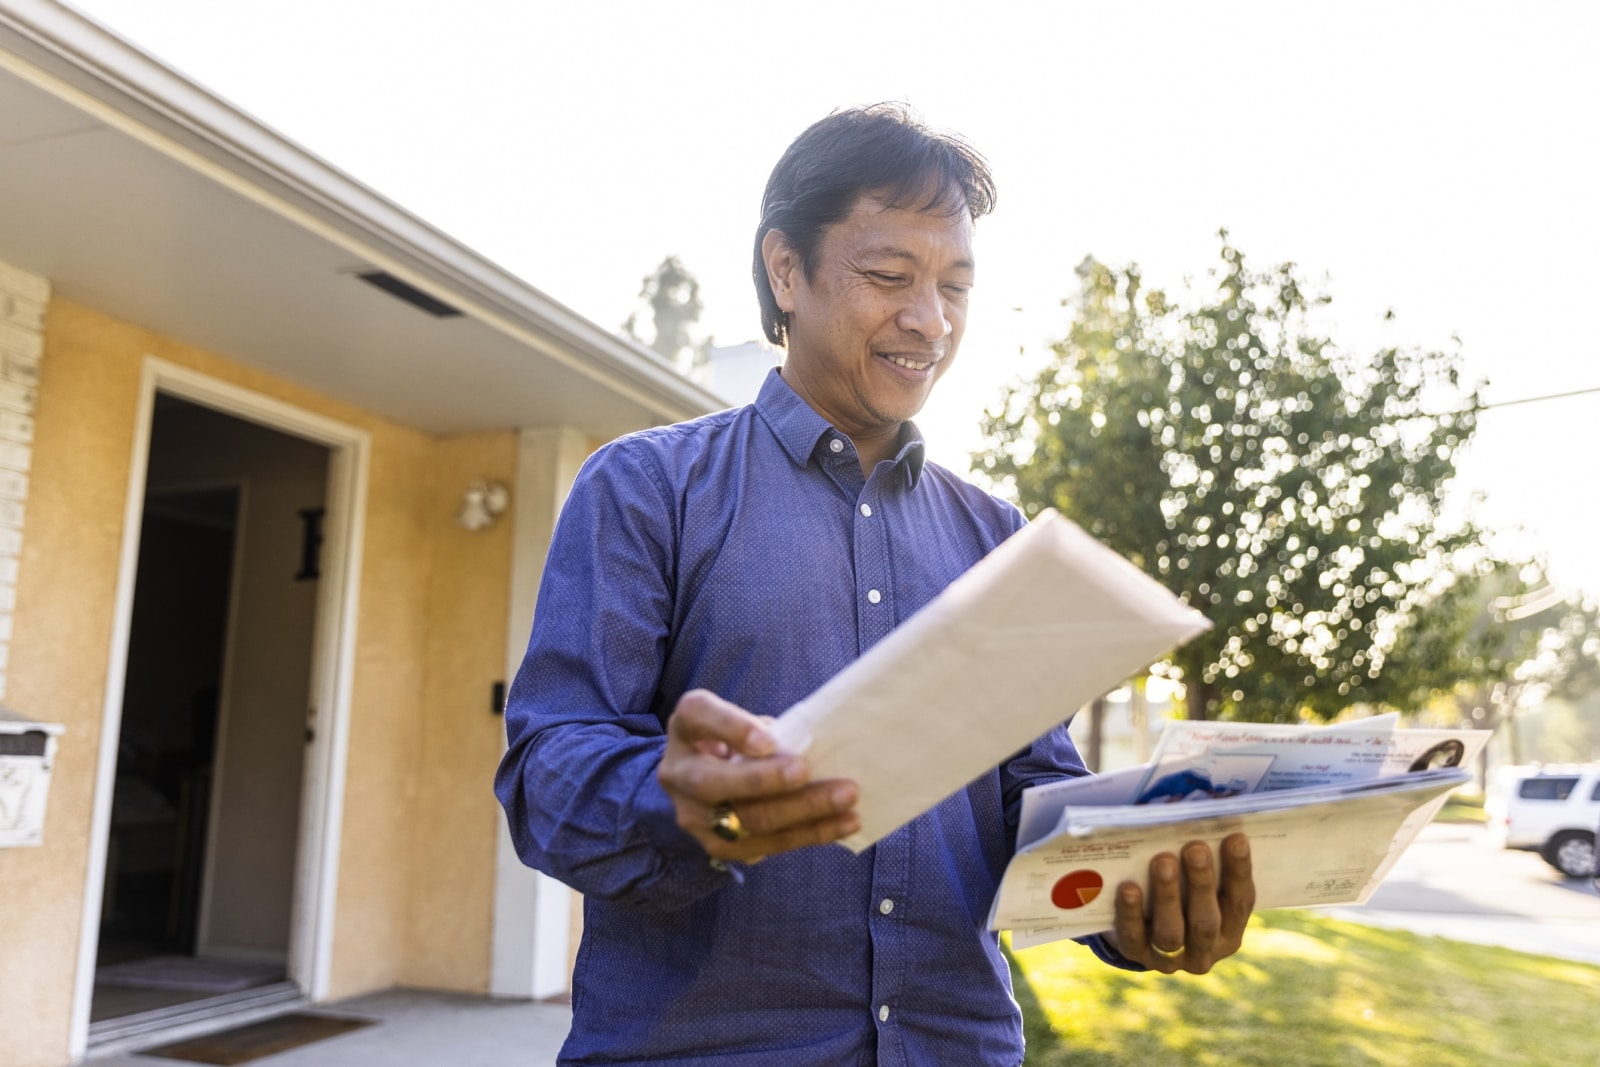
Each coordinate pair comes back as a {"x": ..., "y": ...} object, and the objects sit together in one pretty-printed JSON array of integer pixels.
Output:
[{"x": 745, "y": 553}]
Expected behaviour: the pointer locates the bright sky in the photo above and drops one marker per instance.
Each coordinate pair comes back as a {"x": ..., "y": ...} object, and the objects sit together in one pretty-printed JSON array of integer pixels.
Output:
[{"x": 1438, "y": 159}]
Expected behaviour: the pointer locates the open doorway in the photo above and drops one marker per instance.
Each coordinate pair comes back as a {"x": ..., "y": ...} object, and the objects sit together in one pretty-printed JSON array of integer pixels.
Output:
[{"x": 201, "y": 878}]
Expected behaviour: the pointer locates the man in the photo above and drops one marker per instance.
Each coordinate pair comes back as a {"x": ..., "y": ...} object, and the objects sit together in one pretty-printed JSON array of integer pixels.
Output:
[{"x": 706, "y": 574}]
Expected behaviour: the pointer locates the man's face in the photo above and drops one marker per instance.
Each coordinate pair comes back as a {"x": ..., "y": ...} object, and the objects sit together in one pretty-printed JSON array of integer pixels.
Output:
[{"x": 879, "y": 320}]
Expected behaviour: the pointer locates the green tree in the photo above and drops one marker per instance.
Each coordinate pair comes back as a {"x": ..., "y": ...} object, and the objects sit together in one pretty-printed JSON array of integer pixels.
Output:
[
  {"x": 1289, "y": 492},
  {"x": 1556, "y": 715},
  {"x": 1490, "y": 647},
  {"x": 1506, "y": 650},
  {"x": 1568, "y": 662},
  {"x": 672, "y": 296},
  {"x": 1562, "y": 730},
  {"x": 1469, "y": 635}
]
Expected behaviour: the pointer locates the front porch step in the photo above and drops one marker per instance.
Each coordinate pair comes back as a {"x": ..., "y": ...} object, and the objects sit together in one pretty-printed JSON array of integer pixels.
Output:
[{"x": 179, "y": 1022}]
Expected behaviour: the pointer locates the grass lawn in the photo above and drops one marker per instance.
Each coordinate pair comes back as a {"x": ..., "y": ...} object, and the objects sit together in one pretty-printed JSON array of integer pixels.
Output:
[
  {"x": 1463, "y": 807},
  {"x": 1308, "y": 991}
]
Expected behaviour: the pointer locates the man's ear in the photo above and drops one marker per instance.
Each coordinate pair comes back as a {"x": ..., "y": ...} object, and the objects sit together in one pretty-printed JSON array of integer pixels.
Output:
[{"x": 783, "y": 268}]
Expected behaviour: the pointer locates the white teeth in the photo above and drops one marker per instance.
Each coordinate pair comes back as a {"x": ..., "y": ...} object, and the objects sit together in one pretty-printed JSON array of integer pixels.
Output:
[{"x": 901, "y": 361}]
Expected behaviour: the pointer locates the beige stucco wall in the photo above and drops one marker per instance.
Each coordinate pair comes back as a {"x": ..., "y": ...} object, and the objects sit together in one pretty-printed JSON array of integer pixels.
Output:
[
  {"x": 454, "y": 822},
  {"x": 42, "y": 887},
  {"x": 415, "y": 881}
]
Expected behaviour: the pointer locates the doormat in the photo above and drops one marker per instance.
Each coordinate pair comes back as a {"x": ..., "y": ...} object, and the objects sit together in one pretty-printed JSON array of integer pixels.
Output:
[
  {"x": 189, "y": 973},
  {"x": 255, "y": 1040}
]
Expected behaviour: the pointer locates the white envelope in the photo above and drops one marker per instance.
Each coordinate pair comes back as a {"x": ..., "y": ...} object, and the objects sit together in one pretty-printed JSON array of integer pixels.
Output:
[{"x": 1044, "y": 624}]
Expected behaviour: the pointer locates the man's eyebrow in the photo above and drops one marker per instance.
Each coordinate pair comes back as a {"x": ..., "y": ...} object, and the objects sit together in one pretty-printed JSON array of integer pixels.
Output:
[{"x": 893, "y": 252}]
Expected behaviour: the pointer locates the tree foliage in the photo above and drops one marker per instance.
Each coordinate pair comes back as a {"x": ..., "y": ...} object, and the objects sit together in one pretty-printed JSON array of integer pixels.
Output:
[
  {"x": 672, "y": 296},
  {"x": 1226, "y": 446},
  {"x": 1561, "y": 730},
  {"x": 1474, "y": 665},
  {"x": 1523, "y": 657},
  {"x": 1562, "y": 721},
  {"x": 1568, "y": 661},
  {"x": 1469, "y": 634}
]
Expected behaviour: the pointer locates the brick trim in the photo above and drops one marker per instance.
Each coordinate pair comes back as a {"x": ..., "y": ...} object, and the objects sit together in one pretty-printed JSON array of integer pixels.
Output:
[{"x": 23, "y": 298}]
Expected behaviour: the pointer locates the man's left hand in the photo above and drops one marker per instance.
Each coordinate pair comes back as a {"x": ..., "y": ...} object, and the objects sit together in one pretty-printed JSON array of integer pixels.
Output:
[{"x": 1195, "y": 917}]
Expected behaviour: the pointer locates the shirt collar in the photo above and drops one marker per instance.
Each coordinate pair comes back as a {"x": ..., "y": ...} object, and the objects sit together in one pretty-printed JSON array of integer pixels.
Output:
[{"x": 800, "y": 430}]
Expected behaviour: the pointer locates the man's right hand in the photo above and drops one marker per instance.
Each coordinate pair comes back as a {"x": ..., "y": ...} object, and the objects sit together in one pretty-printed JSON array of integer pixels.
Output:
[{"x": 718, "y": 753}]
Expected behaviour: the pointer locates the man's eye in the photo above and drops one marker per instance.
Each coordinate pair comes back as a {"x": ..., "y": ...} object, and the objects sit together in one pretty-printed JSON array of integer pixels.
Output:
[{"x": 886, "y": 278}]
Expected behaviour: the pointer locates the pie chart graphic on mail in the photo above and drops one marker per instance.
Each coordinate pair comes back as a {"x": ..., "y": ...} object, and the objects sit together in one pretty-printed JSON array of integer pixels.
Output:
[{"x": 1076, "y": 889}]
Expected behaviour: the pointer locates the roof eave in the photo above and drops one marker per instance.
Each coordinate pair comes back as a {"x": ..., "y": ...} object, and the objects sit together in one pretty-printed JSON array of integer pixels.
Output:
[{"x": 146, "y": 98}]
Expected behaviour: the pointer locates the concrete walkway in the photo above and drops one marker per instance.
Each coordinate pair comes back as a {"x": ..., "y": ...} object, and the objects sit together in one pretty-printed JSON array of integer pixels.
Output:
[{"x": 417, "y": 1029}]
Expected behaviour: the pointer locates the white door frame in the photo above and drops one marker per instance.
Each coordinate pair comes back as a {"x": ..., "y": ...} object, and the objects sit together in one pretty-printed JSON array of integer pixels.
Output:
[{"x": 322, "y": 805}]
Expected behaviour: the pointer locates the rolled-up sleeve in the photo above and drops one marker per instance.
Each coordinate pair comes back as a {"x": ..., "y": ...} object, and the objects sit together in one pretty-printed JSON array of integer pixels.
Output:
[{"x": 585, "y": 721}]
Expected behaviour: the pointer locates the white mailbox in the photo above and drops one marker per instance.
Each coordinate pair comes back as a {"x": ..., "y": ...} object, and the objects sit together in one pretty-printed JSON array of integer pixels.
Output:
[{"x": 27, "y": 753}]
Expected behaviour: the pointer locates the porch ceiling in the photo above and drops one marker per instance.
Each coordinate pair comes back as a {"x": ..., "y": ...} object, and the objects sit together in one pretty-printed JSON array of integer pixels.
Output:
[{"x": 139, "y": 194}]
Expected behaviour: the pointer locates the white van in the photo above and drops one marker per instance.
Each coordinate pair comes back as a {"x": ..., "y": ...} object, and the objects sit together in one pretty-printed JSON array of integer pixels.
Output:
[{"x": 1552, "y": 809}]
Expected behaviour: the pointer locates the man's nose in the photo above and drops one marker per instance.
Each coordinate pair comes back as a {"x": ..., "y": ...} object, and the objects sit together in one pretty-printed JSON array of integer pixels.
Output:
[{"x": 924, "y": 313}]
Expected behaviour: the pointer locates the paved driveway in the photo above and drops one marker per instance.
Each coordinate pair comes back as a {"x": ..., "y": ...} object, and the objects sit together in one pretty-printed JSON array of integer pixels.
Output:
[{"x": 1453, "y": 883}]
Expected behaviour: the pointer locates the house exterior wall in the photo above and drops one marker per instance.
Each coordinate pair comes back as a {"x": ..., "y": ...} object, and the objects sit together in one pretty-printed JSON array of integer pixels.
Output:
[
  {"x": 35, "y": 961},
  {"x": 414, "y": 895},
  {"x": 456, "y": 817}
]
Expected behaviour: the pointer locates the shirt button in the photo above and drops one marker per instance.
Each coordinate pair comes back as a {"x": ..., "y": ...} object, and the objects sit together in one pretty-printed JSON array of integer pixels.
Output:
[
  {"x": 866, "y": 509},
  {"x": 883, "y": 1014},
  {"x": 874, "y": 596},
  {"x": 836, "y": 445},
  {"x": 886, "y": 906}
]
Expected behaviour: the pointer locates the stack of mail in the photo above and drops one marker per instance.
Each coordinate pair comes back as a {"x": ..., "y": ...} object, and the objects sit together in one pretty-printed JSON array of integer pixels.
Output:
[{"x": 1328, "y": 810}]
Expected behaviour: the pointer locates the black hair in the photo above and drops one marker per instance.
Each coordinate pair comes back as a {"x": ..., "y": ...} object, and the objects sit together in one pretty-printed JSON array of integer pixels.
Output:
[{"x": 882, "y": 150}]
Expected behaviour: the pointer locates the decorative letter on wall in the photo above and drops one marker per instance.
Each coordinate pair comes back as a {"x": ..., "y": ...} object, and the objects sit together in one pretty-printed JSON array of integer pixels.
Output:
[{"x": 310, "y": 544}]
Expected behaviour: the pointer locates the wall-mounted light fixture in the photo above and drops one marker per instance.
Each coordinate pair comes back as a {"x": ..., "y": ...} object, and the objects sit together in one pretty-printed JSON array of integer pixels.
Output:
[{"x": 484, "y": 502}]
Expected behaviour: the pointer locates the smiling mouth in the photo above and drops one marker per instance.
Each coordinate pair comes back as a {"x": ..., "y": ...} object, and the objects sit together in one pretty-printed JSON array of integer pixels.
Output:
[{"x": 910, "y": 364}]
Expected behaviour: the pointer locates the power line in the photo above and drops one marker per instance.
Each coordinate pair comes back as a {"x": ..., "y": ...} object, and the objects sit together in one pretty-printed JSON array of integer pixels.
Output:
[
  {"x": 1535, "y": 399},
  {"x": 1504, "y": 404}
]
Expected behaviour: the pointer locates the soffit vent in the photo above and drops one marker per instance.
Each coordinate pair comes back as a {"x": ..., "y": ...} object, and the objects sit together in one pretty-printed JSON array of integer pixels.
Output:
[{"x": 409, "y": 293}]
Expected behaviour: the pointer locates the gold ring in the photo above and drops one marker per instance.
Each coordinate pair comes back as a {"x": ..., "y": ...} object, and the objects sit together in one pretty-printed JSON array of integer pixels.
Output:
[
  {"x": 725, "y": 823},
  {"x": 1174, "y": 954}
]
